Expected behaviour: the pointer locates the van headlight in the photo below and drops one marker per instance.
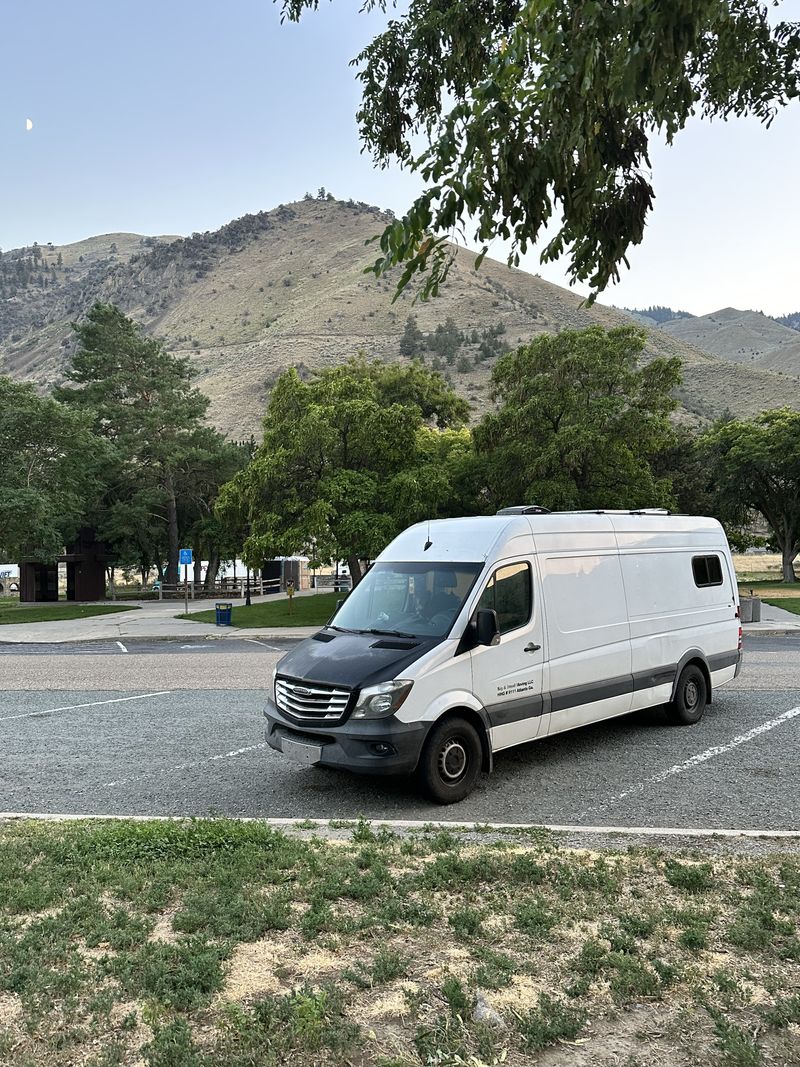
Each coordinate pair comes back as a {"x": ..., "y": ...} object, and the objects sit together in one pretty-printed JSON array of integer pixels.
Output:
[{"x": 378, "y": 701}]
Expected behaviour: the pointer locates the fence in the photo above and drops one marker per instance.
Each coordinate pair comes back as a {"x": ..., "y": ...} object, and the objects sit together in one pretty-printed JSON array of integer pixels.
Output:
[
  {"x": 232, "y": 589},
  {"x": 225, "y": 587}
]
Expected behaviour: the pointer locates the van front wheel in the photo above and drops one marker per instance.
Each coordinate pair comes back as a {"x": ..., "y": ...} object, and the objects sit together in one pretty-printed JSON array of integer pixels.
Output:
[
  {"x": 691, "y": 697},
  {"x": 451, "y": 761}
]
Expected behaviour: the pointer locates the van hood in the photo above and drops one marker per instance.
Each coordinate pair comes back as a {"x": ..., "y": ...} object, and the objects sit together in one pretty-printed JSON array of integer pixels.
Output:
[{"x": 353, "y": 660}]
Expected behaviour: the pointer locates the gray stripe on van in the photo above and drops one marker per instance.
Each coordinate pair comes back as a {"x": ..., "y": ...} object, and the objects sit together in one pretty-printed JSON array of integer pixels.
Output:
[
  {"x": 721, "y": 660},
  {"x": 532, "y": 705}
]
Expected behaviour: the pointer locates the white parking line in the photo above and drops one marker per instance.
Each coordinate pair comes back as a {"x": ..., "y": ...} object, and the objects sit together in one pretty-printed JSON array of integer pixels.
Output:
[
  {"x": 120, "y": 645},
  {"x": 75, "y": 707},
  {"x": 181, "y": 766},
  {"x": 694, "y": 761}
]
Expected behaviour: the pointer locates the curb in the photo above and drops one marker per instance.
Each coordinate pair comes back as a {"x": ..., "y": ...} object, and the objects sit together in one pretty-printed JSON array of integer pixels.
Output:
[
  {"x": 292, "y": 635},
  {"x": 411, "y": 824}
]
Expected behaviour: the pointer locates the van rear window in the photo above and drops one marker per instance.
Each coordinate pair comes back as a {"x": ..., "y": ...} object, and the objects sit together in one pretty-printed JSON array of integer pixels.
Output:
[{"x": 707, "y": 570}]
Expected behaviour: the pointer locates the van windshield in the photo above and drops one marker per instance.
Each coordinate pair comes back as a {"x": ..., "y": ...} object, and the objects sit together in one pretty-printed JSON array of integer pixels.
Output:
[{"x": 413, "y": 599}]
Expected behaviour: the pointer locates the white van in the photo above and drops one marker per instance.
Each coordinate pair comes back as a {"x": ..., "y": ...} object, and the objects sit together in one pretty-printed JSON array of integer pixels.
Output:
[{"x": 468, "y": 636}]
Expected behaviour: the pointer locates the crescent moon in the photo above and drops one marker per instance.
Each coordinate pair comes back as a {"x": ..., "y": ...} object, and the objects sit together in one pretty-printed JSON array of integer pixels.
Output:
[{"x": 28, "y": 124}]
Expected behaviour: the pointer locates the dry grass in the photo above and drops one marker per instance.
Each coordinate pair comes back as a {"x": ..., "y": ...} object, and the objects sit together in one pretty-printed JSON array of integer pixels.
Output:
[{"x": 215, "y": 943}]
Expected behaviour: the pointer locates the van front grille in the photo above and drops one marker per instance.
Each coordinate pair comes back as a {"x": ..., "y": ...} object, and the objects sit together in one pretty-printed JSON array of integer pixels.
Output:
[{"x": 310, "y": 701}]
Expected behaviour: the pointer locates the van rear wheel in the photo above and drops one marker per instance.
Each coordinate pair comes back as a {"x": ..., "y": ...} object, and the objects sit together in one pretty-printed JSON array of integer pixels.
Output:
[
  {"x": 691, "y": 697},
  {"x": 451, "y": 761}
]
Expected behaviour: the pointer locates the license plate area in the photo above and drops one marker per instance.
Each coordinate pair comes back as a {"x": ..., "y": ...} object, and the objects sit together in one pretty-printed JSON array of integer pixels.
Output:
[{"x": 304, "y": 752}]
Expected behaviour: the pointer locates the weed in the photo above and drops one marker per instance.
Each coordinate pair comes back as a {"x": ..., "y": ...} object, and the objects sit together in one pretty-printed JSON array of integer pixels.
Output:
[
  {"x": 550, "y": 1021},
  {"x": 183, "y": 976},
  {"x": 443, "y": 1041},
  {"x": 224, "y": 910},
  {"x": 783, "y": 1013},
  {"x": 495, "y": 971},
  {"x": 388, "y": 965},
  {"x": 451, "y": 871},
  {"x": 639, "y": 925},
  {"x": 752, "y": 928},
  {"x": 173, "y": 1046},
  {"x": 694, "y": 937},
  {"x": 690, "y": 877},
  {"x": 527, "y": 871},
  {"x": 466, "y": 922},
  {"x": 456, "y": 996},
  {"x": 737, "y": 1046},
  {"x": 291, "y": 1028},
  {"x": 534, "y": 919}
]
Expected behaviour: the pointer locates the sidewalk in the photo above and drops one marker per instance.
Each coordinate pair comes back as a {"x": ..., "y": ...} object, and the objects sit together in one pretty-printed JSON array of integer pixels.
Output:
[
  {"x": 151, "y": 619},
  {"x": 774, "y": 621}
]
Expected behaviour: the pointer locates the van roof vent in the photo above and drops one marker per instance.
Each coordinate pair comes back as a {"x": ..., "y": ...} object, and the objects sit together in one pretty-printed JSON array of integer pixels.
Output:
[{"x": 524, "y": 509}]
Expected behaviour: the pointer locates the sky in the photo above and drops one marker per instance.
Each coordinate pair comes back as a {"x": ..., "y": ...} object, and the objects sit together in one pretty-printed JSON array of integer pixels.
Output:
[{"x": 173, "y": 117}]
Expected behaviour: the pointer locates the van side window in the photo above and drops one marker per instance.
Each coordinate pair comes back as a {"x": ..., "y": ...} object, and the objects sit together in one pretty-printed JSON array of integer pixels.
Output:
[
  {"x": 510, "y": 594},
  {"x": 707, "y": 570}
]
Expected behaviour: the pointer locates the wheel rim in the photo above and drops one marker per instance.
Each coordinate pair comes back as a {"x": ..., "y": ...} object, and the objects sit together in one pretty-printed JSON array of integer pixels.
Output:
[
  {"x": 691, "y": 695},
  {"x": 453, "y": 760}
]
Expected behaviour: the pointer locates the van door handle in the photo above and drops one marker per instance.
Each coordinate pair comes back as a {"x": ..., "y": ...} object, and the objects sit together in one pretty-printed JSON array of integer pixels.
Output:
[{"x": 532, "y": 647}]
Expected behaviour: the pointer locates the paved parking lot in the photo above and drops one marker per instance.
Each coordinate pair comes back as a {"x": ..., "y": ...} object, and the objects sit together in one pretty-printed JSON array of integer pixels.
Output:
[{"x": 178, "y": 731}]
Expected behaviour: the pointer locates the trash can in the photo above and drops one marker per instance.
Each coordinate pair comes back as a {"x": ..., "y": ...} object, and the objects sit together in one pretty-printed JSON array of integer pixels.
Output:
[{"x": 223, "y": 614}]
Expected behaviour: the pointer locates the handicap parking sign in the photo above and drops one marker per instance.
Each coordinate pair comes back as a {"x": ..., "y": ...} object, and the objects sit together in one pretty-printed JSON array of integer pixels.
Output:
[{"x": 185, "y": 557}]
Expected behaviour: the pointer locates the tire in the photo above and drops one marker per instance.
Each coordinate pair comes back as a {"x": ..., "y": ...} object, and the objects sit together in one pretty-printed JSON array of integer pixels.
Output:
[
  {"x": 691, "y": 696},
  {"x": 451, "y": 761}
]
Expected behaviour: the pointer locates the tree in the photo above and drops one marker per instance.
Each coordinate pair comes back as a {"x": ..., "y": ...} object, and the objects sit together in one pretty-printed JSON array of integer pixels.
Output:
[
  {"x": 348, "y": 461},
  {"x": 48, "y": 459},
  {"x": 534, "y": 111},
  {"x": 141, "y": 400},
  {"x": 576, "y": 422},
  {"x": 413, "y": 339},
  {"x": 756, "y": 466}
]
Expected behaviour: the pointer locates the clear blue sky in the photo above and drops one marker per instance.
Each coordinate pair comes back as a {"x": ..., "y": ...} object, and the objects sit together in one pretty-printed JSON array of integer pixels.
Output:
[{"x": 170, "y": 116}]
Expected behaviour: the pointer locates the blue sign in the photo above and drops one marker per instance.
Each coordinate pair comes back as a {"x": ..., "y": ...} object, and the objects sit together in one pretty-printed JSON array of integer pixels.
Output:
[{"x": 185, "y": 557}]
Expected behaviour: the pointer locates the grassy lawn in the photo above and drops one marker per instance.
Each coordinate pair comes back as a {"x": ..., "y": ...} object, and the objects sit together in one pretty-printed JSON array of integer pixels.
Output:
[
  {"x": 219, "y": 944},
  {"x": 12, "y": 613},
  {"x": 313, "y": 610},
  {"x": 770, "y": 589},
  {"x": 788, "y": 603}
]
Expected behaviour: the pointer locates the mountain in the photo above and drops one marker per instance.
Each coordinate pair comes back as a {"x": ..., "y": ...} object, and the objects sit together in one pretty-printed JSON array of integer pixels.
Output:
[
  {"x": 656, "y": 315},
  {"x": 286, "y": 288},
  {"x": 792, "y": 320},
  {"x": 742, "y": 337}
]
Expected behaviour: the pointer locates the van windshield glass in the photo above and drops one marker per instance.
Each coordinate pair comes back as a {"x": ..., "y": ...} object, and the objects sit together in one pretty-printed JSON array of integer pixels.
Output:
[{"x": 413, "y": 599}]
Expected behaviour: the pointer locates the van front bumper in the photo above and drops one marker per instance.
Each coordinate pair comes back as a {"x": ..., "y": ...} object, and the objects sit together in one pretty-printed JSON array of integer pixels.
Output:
[{"x": 366, "y": 746}]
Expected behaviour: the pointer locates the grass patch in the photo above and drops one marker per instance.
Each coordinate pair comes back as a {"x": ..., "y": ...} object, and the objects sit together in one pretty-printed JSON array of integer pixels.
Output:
[
  {"x": 210, "y": 942},
  {"x": 312, "y": 610},
  {"x": 23, "y": 613},
  {"x": 788, "y": 603}
]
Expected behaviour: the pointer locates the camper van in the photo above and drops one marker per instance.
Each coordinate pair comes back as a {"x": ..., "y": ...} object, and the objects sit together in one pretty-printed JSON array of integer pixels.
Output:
[{"x": 468, "y": 636}]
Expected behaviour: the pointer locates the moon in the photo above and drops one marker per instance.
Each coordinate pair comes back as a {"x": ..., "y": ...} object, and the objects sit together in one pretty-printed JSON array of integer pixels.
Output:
[{"x": 28, "y": 124}]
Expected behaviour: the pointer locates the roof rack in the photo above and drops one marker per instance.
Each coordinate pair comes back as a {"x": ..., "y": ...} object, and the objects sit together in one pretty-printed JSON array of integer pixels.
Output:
[{"x": 534, "y": 509}]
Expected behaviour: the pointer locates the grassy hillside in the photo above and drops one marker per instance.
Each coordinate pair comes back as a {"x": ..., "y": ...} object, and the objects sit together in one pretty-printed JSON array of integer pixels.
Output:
[
  {"x": 743, "y": 337},
  {"x": 287, "y": 287}
]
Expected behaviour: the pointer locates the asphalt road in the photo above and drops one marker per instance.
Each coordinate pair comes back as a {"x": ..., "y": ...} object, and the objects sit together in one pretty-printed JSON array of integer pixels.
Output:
[{"x": 177, "y": 730}]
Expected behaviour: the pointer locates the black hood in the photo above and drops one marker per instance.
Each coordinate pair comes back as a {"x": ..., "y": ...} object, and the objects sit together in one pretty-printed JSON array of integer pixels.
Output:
[{"x": 353, "y": 660}]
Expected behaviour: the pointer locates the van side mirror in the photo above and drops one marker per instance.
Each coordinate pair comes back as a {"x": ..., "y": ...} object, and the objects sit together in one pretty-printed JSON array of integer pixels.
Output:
[{"x": 487, "y": 630}]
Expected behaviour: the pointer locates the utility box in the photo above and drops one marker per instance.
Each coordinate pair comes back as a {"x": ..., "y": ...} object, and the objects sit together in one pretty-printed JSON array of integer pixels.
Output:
[{"x": 750, "y": 609}]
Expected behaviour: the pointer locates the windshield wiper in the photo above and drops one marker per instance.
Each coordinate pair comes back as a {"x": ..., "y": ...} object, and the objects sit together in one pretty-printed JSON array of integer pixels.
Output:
[
  {"x": 342, "y": 629},
  {"x": 390, "y": 633}
]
